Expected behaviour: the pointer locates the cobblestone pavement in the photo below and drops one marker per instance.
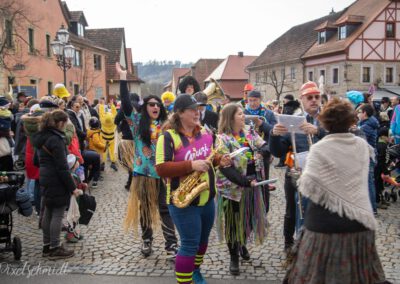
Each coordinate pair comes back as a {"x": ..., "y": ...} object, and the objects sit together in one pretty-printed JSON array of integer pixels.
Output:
[{"x": 107, "y": 250}]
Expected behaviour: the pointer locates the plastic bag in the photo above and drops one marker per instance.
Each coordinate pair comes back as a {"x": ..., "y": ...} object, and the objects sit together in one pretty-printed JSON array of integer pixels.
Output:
[{"x": 73, "y": 214}]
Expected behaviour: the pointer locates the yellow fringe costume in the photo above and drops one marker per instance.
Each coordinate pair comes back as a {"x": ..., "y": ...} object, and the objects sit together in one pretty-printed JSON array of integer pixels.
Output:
[{"x": 108, "y": 131}]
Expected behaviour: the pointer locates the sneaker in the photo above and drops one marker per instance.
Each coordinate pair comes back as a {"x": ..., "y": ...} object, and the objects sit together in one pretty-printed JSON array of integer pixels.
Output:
[
  {"x": 197, "y": 277},
  {"x": 382, "y": 205},
  {"x": 71, "y": 238},
  {"x": 172, "y": 250},
  {"x": 94, "y": 184},
  {"x": 46, "y": 251},
  {"x": 60, "y": 253},
  {"x": 146, "y": 249},
  {"x": 280, "y": 166},
  {"x": 114, "y": 166}
]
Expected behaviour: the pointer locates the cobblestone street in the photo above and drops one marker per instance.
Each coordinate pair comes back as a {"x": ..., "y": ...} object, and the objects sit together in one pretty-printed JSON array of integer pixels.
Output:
[{"x": 107, "y": 250}]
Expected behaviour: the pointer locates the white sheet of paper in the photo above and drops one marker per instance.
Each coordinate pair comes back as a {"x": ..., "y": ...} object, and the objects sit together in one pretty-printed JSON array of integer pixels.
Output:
[
  {"x": 291, "y": 122},
  {"x": 268, "y": 181},
  {"x": 301, "y": 159}
]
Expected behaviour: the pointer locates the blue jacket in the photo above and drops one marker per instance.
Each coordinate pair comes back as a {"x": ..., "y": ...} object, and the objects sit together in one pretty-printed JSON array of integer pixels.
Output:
[
  {"x": 370, "y": 128},
  {"x": 269, "y": 122},
  {"x": 279, "y": 145}
]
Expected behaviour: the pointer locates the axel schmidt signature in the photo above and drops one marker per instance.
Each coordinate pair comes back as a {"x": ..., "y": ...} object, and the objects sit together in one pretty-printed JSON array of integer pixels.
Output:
[{"x": 29, "y": 270}]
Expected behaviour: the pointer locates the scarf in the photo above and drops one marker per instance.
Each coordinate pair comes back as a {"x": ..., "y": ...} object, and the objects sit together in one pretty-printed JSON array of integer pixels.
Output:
[{"x": 336, "y": 177}]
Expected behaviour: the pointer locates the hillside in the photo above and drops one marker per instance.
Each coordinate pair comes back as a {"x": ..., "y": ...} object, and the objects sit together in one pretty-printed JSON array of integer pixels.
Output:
[{"x": 158, "y": 72}]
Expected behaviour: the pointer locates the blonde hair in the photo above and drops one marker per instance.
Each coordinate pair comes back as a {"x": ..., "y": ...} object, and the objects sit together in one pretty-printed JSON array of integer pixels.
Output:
[{"x": 226, "y": 119}]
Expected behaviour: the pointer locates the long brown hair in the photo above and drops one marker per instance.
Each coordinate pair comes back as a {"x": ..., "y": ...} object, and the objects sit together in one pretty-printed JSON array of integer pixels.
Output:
[
  {"x": 175, "y": 121},
  {"x": 51, "y": 119},
  {"x": 226, "y": 119}
]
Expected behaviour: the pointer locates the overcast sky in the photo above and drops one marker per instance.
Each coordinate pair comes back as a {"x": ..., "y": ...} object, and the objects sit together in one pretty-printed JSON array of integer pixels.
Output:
[{"x": 190, "y": 30}]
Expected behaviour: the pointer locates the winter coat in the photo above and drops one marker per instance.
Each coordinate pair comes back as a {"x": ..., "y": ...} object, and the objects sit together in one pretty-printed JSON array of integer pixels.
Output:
[
  {"x": 55, "y": 177},
  {"x": 96, "y": 143},
  {"x": 123, "y": 125},
  {"x": 370, "y": 128},
  {"x": 79, "y": 123}
]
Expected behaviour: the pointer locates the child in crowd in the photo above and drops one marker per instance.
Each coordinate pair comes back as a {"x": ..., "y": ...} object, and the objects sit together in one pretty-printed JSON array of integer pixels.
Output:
[
  {"x": 95, "y": 140},
  {"x": 381, "y": 169},
  {"x": 73, "y": 235}
]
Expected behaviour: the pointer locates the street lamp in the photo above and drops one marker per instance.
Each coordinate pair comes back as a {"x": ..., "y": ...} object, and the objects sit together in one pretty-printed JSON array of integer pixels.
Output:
[{"x": 63, "y": 50}]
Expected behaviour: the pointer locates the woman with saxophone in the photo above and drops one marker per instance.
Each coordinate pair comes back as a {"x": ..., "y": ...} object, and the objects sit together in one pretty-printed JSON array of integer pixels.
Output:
[
  {"x": 240, "y": 204},
  {"x": 146, "y": 200},
  {"x": 182, "y": 152}
]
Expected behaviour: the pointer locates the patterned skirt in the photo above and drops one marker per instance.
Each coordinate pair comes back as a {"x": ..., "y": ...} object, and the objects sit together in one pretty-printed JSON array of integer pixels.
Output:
[{"x": 335, "y": 258}]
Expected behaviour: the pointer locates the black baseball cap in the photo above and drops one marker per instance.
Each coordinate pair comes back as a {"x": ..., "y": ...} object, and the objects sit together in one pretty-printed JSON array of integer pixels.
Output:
[
  {"x": 185, "y": 101},
  {"x": 254, "y": 94}
]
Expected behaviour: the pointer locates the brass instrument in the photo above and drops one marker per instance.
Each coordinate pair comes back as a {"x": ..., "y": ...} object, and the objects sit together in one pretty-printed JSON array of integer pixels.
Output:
[
  {"x": 192, "y": 186},
  {"x": 214, "y": 93},
  {"x": 295, "y": 172}
]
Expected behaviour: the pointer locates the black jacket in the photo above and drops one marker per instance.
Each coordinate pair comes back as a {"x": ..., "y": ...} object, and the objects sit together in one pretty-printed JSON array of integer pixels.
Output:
[
  {"x": 80, "y": 131},
  {"x": 54, "y": 174},
  {"x": 211, "y": 119},
  {"x": 123, "y": 125}
]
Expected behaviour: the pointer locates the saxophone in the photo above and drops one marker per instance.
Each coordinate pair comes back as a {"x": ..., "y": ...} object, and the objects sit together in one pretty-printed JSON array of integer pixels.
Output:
[{"x": 192, "y": 186}]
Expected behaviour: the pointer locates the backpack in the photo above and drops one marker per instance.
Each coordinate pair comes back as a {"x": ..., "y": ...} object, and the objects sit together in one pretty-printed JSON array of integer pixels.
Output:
[{"x": 87, "y": 207}]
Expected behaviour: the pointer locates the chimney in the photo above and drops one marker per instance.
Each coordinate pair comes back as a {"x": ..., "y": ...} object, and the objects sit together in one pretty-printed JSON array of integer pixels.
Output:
[{"x": 240, "y": 53}]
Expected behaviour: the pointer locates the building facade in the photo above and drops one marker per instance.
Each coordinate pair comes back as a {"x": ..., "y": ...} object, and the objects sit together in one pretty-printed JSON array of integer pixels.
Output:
[
  {"x": 30, "y": 64},
  {"x": 348, "y": 50}
]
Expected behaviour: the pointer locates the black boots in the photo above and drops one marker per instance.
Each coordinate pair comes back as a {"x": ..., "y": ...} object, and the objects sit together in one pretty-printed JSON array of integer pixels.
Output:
[
  {"x": 234, "y": 264},
  {"x": 244, "y": 253}
]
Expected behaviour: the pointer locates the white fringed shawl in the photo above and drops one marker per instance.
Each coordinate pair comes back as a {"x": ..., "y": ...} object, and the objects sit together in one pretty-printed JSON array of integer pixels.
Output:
[{"x": 336, "y": 177}]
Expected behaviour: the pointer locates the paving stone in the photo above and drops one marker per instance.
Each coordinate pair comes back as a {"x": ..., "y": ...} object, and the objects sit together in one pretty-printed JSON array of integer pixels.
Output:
[{"x": 107, "y": 250}]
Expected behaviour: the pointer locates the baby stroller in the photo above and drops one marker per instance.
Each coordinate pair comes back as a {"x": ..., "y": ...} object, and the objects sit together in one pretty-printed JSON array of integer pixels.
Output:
[
  {"x": 10, "y": 182},
  {"x": 392, "y": 181}
]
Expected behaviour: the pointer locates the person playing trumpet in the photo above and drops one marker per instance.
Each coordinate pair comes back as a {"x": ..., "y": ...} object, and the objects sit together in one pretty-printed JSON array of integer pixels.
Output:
[
  {"x": 264, "y": 123},
  {"x": 280, "y": 143},
  {"x": 240, "y": 204},
  {"x": 182, "y": 150}
]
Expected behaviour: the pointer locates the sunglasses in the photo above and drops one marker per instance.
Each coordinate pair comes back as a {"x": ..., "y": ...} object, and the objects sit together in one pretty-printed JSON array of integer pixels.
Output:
[
  {"x": 154, "y": 104},
  {"x": 316, "y": 97}
]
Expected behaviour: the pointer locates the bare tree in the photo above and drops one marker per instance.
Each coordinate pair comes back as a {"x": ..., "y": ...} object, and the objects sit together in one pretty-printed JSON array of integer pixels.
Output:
[
  {"x": 86, "y": 75},
  {"x": 15, "y": 16},
  {"x": 282, "y": 85}
]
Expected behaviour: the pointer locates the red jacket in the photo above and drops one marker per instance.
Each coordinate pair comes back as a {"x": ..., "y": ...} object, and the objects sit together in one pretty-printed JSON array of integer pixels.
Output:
[
  {"x": 32, "y": 172},
  {"x": 73, "y": 148}
]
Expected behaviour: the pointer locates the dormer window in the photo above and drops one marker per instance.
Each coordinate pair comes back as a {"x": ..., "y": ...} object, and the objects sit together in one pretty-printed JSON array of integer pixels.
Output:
[
  {"x": 390, "y": 30},
  {"x": 342, "y": 32},
  {"x": 80, "y": 30},
  {"x": 322, "y": 37}
]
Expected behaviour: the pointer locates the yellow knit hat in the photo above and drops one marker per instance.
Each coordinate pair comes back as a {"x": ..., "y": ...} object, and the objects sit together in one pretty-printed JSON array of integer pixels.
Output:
[{"x": 60, "y": 91}]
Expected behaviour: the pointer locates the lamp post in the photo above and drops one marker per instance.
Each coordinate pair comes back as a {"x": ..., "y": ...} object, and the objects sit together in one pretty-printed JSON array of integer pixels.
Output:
[{"x": 63, "y": 50}]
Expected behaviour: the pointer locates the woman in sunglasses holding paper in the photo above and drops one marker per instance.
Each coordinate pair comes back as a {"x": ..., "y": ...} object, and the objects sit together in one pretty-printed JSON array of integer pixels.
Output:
[
  {"x": 146, "y": 199},
  {"x": 240, "y": 204}
]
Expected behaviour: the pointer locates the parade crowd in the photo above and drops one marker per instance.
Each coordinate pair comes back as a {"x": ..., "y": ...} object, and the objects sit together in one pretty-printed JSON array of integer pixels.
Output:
[{"x": 190, "y": 164}]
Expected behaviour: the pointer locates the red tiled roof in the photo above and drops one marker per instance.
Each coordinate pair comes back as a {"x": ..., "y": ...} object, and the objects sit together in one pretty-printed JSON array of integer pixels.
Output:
[
  {"x": 368, "y": 9},
  {"x": 114, "y": 40},
  {"x": 232, "y": 68},
  {"x": 178, "y": 73},
  {"x": 235, "y": 68},
  {"x": 202, "y": 68}
]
